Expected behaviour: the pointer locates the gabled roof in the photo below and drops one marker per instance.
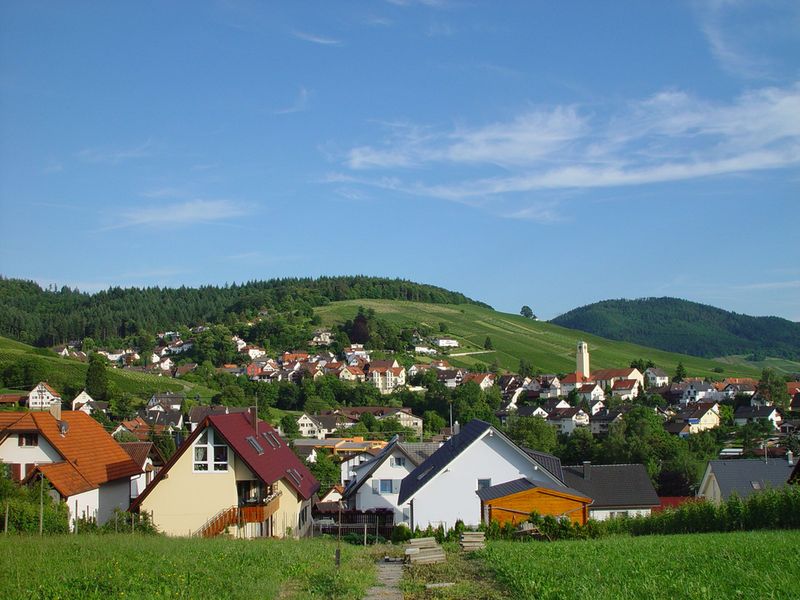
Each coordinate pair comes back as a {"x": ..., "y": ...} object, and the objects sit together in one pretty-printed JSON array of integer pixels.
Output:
[
  {"x": 275, "y": 462},
  {"x": 140, "y": 451},
  {"x": 91, "y": 456},
  {"x": 754, "y": 412},
  {"x": 376, "y": 462},
  {"x": 522, "y": 485},
  {"x": 420, "y": 451},
  {"x": 548, "y": 461},
  {"x": 449, "y": 451},
  {"x": 613, "y": 486},
  {"x": 746, "y": 476},
  {"x": 624, "y": 384}
]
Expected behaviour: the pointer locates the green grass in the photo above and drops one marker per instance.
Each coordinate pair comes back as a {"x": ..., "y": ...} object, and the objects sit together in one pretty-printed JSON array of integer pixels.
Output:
[
  {"x": 549, "y": 347},
  {"x": 703, "y": 566},
  {"x": 781, "y": 365},
  {"x": 63, "y": 373},
  {"x": 125, "y": 566}
]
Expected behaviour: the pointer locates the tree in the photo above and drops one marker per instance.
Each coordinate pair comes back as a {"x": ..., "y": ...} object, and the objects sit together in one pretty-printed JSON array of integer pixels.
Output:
[
  {"x": 443, "y": 327},
  {"x": 772, "y": 387},
  {"x": 527, "y": 312},
  {"x": 680, "y": 373},
  {"x": 325, "y": 470},
  {"x": 231, "y": 395},
  {"x": 97, "y": 378},
  {"x": 289, "y": 427},
  {"x": 433, "y": 421},
  {"x": 533, "y": 432},
  {"x": 525, "y": 367},
  {"x": 487, "y": 344}
]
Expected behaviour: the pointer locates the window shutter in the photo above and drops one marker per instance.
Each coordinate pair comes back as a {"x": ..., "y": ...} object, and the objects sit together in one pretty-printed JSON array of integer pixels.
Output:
[
  {"x": 15, "y": 472},
  {"x": 376, "y": 486},
  {"x": 395, "y": 486}
]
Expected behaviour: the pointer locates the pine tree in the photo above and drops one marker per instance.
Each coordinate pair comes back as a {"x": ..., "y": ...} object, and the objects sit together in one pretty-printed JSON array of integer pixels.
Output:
[{"x": 97, "y": 378}]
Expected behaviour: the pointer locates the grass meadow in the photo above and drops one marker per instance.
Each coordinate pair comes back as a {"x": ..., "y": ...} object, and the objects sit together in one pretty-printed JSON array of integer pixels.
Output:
[{"x": 134, "y": 566}]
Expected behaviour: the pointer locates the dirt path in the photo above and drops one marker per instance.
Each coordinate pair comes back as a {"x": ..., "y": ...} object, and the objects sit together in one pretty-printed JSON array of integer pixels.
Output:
[{"x": 471, "y": 353}]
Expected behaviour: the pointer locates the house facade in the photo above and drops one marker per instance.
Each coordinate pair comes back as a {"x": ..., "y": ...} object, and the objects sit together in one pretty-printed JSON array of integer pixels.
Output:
[
  {"x": 233, "y": 473},
  {"x": 42, "y": 397}
]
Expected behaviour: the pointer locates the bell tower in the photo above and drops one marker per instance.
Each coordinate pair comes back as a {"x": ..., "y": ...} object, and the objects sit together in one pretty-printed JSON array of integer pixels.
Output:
[{"x": 582, "y": 360}]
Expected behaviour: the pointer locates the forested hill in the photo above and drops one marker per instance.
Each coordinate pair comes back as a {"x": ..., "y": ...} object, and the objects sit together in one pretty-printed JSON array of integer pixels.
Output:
[
  {"x": 687, "y": 327},
  {"x": 47, "y": 317}
]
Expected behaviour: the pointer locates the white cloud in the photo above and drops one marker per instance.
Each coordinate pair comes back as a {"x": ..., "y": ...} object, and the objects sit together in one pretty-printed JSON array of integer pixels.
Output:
[
  {"x": 671, "y": 136},
  {"x": 180, "y": 214},
  {"x": 115, "y": 156},
  {"x": 300, "y": 104},
  {"x": 316, "y": 39}
]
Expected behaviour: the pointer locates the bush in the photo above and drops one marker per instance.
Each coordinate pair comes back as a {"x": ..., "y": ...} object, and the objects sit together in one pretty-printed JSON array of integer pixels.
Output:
[{"x": 401, "y": 533}]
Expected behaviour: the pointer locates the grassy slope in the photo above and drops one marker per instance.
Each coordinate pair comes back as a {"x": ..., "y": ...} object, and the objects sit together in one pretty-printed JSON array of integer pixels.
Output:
[
  {"x": 549, "y": 347},
  {"x": 781, "y": 365},
  {"x": 703, "y": 566},
  {"x": 63, "y": 372},
  {"x": 158, "y": 567}
]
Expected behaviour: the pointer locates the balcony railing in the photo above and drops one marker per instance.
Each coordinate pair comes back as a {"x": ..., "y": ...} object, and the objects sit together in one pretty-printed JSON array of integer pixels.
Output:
[{"x": 238, "y": 516}]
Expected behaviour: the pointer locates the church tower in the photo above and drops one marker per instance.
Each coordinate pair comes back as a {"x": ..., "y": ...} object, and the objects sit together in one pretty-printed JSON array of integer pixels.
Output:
[{"x": 582, "y": 360}]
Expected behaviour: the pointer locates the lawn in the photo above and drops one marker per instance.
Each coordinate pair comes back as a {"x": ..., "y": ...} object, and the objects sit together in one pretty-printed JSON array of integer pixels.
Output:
[
  {"x": 549, "y": 347},
  {"x": 704, "y": 566},
  {"x": 126, "y": 566}
]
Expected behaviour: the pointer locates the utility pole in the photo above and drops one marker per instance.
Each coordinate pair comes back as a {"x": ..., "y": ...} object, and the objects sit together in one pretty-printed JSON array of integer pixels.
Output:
[{"x": 41, "y": 504}]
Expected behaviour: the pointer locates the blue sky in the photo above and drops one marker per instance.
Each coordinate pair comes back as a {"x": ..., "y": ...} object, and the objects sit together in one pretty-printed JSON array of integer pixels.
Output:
[{"x": 540, "y": 153}]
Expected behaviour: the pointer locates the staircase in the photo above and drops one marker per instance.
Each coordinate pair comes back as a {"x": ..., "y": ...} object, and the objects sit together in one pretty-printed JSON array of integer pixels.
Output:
[{"x": 238, "y": 515}]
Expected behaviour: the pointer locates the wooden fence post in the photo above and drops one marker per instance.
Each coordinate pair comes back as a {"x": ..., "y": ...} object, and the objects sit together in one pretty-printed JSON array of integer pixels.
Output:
[
  {"x": 41, "y": 505},
  {"x": 5, "y": 529},
  {"x": 365, "y": 533}
]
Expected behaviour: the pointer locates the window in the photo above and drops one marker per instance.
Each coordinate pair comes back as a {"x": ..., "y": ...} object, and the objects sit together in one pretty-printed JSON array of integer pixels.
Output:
[
  {"x": 400, "y": 461},
  {"x": 484, "y": 483},
  {"x": 386, "y": 486},
  {"x": 210, "y": 454},
  {"x": 28, "y": 439}
]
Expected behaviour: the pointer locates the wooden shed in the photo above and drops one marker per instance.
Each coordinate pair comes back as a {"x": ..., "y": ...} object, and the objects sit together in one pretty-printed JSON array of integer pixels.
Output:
[{"x": 514, "y": 501}]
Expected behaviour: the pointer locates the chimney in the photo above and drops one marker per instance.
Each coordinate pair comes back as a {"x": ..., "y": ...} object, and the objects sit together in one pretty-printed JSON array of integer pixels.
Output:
[
  {"x": 790, "y": 457},
  {"x": 55, "y": 410},
  {"x": 254, "y": 418},
  {"x": 587, "y": 469},
  {"x": 456, "y": 428}
]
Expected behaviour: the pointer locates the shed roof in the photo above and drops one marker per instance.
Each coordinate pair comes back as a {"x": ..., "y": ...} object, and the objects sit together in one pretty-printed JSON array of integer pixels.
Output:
[
  {"x": 522, "y": 485},
  {"x": 613, "y": 486}
]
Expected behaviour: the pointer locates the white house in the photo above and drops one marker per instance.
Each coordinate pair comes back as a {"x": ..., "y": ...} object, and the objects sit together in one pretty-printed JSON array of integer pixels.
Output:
[
  {"x": 592, "y": 393},
  {"x": 441, "y": 490},
  {"x": 86, "y": 467},
  {"x": 626, "y": 389},
  {"x": 753, "y": 414},
  {"x": 656, "y": 377},
  {"x": 376, "y": 483},
  {"x": 310, "y": 427},
  {"x": 424, "y": 350},
  {"x": 566, "y": 420},
  {"x": 142, "y": 453},
  {"x": 446, "y": 342},
  {"x": 42, "y": 397},
  {"x": 81, "y": 399},
  {"x": 697, "y": 391}
]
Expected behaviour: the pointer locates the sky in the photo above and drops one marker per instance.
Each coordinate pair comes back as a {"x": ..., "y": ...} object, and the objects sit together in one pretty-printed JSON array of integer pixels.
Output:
[{"x": 542, "y": 153}]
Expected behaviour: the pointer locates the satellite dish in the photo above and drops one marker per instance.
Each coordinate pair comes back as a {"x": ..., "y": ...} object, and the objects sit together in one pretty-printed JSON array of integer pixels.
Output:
[{"x": 63, "y": 427}]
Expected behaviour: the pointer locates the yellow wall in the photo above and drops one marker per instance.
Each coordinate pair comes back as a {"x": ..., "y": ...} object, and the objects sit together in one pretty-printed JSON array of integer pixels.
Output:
[{"x": 515, "y": 508}]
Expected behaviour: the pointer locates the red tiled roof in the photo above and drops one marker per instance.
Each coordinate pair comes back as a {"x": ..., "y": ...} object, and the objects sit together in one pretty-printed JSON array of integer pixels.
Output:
[
  {"x": 138, "y": 451},
  {"x": 91, "y": 456},
  {"x": 624, "y": 384}
]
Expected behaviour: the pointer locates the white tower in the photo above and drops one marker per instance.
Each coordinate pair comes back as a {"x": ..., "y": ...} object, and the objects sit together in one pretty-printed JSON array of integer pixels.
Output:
[{"x": 582, "y": 360}]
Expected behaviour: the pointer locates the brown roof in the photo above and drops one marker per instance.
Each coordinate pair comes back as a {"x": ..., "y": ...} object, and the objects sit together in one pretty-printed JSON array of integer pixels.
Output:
[
  {"x": 91, "y": 456},
  {"x": 138, "y": 451}
]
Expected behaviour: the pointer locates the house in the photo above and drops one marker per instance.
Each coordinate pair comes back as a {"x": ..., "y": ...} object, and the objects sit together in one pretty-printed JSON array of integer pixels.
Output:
[
  {"x": 441, "y": 490},
  {"x": 424, "y": 350},
  {"x": 591, "y": 393},
  {"x": 321, "y": 337},
  {"x": 625, "y": 389},
  {"x": 42, "y": 397},
  {"x": 607, "y": 377},
  {"x": 376, "y": 483},
  {"x": 656, "y": 377},
  {"x": 354, "y": 352},
  {"x": 334, "y": 494},
  {"x": 446, "y": 342},
  {"x": 754, "y": 414},
  {"x": 595, "y": 406},
  {"x": 349, "y": 464},
  {"x": 743, "y": 477},
  {"x": 403, "y": 415},
  {"x": 700, "y": 416},
  {"x": 696, "y": 391},
  {"x": 81, "y": 399},
  {"x": 148, "y": 458},
  {"x": 386, "y": 375},
  {"x": 85, "y": 403},
  {"x": 732, "y": 390},
  {"x": 616, "y": 490},
  {"x": 573, "y": 381},
  {"x": 451, "y": 378},
  {"x": 233, "y": 473},
  {"x": 86, "y": 467},
  {"x": 309, "y": 427},
  {"x": 484, "y": 380},
  {"x": 350, "y": 373},
  {"x": 167, "y": 401},
  {"x": 566, "y": 420},
  {"x": 600, "y": 422}
]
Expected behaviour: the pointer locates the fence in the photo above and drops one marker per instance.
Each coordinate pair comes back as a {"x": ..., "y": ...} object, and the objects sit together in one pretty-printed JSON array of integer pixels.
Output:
[{"x": 354, "y": 522}]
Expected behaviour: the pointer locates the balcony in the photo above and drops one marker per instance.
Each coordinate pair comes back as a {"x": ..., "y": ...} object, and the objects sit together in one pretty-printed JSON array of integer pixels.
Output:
[{"x": 236, "y": 516}]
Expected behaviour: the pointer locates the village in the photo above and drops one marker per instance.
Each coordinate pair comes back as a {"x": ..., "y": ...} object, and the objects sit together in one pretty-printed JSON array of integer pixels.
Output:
[{"x": 226, "y": 470}]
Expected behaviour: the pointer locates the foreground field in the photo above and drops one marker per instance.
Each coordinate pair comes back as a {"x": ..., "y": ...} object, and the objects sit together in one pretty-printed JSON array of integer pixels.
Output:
[
  {"x": 157, "y": 567},
  {"x": 549, "y": 347},
  {"x": 704, "y": 566}
]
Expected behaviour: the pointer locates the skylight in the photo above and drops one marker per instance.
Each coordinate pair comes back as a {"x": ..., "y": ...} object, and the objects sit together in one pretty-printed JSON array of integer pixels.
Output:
[{"x": 254, "y": 443}]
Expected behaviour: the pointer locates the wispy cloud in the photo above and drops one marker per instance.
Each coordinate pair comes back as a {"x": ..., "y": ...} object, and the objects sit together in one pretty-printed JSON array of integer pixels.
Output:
[
  {"x": 300, "y": 104},
  {"x": 191, "y": 212},
  {"x": 316, "y": 39},
  {"x": 671, "y": 136},
  {"x": 115, "y": 156},
  {"x": 771, "y": 285}
]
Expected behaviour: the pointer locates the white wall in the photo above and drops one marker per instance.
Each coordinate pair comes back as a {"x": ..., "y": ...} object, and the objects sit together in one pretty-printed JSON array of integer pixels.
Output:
[
  {"x": 451, "y": 494},
  {"x": 83, "y": 505},
  {"x": 367, "y": 499},
  {"x": 114, "y": 494},
  {"x": 603, "y": 514},
  {"x": 12, "y": 452}
]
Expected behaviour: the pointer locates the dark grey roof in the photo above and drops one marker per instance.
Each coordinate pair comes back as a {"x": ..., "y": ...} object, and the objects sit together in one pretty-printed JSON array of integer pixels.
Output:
[
  {"x": 753, "y": 412},
  {"x": 548, "y": 461},
  {"x": 167, "y": 418},
  {"x": 748, "y": 475},
  {"x": 526, "y": 411},
  {"x": 420, "y": 451},
  {"x": 373, "y": 464},
  {"x": 613, "y": 486},
  {"x": 521, "y": 485},
  {"x": 441, "y": 458},
  {"x": 605, "y": 415}
]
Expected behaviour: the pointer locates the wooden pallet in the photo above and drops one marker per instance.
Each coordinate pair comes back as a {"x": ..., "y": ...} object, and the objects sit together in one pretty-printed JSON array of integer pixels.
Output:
[
  {"x": 424, "y": 551},
  {"x": 472, "y": 540}
]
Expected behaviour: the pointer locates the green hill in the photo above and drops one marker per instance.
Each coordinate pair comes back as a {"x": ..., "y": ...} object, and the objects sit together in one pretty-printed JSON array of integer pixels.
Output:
[
  {"x": 549, "y": 347},
  {"x": 690, "y": 328},
  {"x": 22, "y": 366}
]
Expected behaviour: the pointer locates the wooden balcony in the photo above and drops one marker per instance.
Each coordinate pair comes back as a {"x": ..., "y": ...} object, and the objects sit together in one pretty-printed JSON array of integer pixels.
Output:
[{"x": 238, "y": 516}]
